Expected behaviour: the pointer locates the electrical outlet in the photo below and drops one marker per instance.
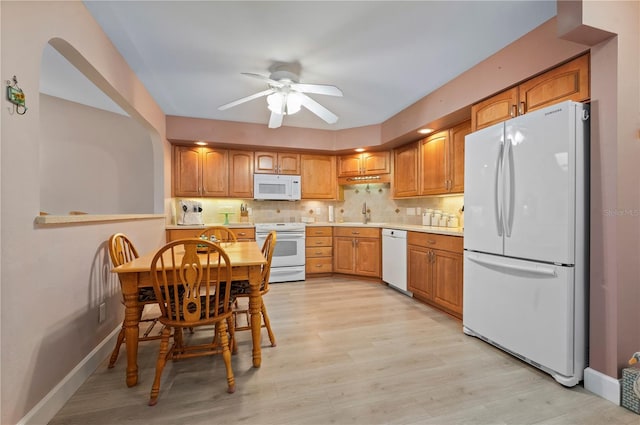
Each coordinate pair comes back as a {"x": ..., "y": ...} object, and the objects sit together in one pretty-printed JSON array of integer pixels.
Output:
[
  {"x": 102, "y": 312},
  {"x": 411, "y": 211}
]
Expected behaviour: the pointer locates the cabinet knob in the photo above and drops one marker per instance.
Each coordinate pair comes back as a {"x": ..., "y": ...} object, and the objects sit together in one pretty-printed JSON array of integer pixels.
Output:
[
  {"x": 521, "y": 110},
  {"x": 513, "y": 111}
]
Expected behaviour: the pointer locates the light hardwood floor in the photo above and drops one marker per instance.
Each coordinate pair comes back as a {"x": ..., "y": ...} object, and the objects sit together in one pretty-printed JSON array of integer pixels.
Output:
[{"x": 349, "y": 352}]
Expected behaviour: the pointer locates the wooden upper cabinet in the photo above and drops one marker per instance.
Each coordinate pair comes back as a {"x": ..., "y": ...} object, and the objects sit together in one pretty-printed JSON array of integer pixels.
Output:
[
  {"x": 241, "y": 174},
  {"x": 432, "y": 166},
  {"x": 317, "y": 175},
  {"x": 200, "y": 171},
  {"x": 368, "y": 163},
  {"x": 456, "y": 156},
  {"x": 406, "y": 162},
  {"x": 276, "y": 163},
  {"x": 215, "y": 172},
  {"x": 566, "y": 82},
  {"x": 496, "y": 109},
  {"x": 187, "y": 171},
  {"x": 569, "y": 81},
  {"x": 433, "y": 161}
]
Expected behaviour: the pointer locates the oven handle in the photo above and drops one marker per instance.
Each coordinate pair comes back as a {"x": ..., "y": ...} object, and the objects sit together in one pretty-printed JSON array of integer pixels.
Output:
[{"x": 282, "y": 236}]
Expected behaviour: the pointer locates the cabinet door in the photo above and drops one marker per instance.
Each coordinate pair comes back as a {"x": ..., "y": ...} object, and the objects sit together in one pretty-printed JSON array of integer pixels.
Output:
[
  {"x": 566, "y": 82},
  {"x": 289, "y": 163},
  {"x": 375, "y": 163},
  {"x": 187, "y": 171},
  {"x": 456, "y": 156},
  {"x": 433, "y": 154},
  {"x": 405, "y": 170},
  {"x": 349, "y": 165},
  {"x": 241, "y": 174},
  {"x": 447, "y": 281},
  {"x": 265, "y": 162},
  {"x": 215, "y": 172},
  {"x": 368, "y": 259},
  {"x": 318, "y": 181},
  {"x": 344, "y": 255},
  {"x": 495, "y": 109},
  {"x": 419, "y": 271}
]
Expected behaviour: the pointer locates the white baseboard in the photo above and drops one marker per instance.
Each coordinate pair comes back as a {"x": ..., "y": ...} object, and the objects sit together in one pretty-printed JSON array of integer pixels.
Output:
[
  {"x": 602, "y": 385},
  {"x": 46, "y": 408}
]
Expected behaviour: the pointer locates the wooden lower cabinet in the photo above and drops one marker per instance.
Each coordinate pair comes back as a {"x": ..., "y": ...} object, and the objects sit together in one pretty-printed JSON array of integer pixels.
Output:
[
  {"x": 242, "y": 233},
  {"x": 357, "y": 250},
  {"x": 319, "y": 250},
  {"x": 434, "y": 273}
]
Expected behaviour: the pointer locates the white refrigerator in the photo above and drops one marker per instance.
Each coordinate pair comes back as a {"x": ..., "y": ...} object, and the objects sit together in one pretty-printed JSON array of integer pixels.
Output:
[{"x": 526, "y": 238}]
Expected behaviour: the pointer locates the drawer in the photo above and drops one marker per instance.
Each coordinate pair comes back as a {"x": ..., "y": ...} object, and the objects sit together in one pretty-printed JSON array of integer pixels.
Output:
[
  {"x": 318, "y": 241},
  {"x": 319, "y": 231},
  {"x": 431, "y": 240},
  {"x": 245, "y": 233},
  {"x": 357, "y": 232},
  {"x": 319, "y": 265},
  {"x": 321, "y": 251}
]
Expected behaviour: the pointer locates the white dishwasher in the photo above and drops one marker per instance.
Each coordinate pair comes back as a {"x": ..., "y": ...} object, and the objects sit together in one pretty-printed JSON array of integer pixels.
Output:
[{"x": 394, "y": 259}]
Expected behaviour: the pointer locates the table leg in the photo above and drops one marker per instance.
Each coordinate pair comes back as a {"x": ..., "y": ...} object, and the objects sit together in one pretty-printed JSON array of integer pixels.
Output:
[
  {"x": 255, "y": 302},
  {"x": 129, "y": 284}
]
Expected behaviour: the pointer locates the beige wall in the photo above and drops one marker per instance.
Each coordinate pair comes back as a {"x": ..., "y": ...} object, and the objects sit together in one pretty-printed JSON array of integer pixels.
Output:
[
  {"x": 45, "y": 334},
  {"x": 51, "y": 278}
]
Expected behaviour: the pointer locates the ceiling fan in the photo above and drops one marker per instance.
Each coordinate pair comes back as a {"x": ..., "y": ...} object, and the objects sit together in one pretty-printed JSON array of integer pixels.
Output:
[{"x": 286, "y": 94}]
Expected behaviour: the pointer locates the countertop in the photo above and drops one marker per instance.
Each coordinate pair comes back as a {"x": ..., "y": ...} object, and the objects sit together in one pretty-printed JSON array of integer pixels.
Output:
[{"x": 450, "y": 231}]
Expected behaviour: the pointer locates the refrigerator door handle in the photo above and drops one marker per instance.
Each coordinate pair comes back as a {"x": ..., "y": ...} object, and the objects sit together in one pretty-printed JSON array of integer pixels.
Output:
[
  {"x": 499, "y": 192},
  {"x": 508, "y": 196},
  {"x": 540, "y": 270}
]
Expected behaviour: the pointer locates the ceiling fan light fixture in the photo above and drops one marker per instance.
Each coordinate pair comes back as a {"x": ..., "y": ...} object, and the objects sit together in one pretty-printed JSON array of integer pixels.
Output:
[
  {"x": 276, "y": 103},
  {"x": 294, "y": 102}
]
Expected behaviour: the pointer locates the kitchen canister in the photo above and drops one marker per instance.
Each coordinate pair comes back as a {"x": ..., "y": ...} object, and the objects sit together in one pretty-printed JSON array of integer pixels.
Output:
[
  {"x": 426, "y": 217},
  {"x": 453, "y": 221},
  {"x": 444, "y": 220},
  {"x": 435, "y": 218}
]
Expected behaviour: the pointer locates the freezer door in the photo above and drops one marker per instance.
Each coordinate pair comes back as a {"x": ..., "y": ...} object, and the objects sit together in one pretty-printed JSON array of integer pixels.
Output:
[
  {"x": 540, "y": 189},
  {"x": 525, "y": 307},
  {"x": 483, "y": 221}
]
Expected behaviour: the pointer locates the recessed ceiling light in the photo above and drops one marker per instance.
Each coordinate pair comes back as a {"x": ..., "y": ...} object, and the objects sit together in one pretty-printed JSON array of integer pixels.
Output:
[
  {"x": 360, "y": 150},
  {"x": 201, "y": 143},
  {"x": 425, "y": 130}
]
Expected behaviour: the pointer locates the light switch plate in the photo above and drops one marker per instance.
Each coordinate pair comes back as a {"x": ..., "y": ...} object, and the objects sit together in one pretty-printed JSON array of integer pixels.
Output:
[{"x": 411, "y": 211}]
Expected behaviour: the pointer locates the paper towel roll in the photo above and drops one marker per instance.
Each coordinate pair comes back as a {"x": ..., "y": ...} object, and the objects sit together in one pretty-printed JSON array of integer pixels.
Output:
[{"x": 331, "y": 216}]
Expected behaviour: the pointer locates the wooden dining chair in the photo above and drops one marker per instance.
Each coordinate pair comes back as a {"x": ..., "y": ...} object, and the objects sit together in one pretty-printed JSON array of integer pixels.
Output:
[
  {"x": 219, "y": 233},
  {"x": 193, "y": 288},
  {"x": 241, "y": 289},
  {"x": 122, "y": 250}
]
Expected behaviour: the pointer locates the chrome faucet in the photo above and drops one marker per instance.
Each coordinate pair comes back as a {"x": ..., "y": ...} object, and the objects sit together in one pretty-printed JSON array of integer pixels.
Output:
[{"x": 365, "y": 213}]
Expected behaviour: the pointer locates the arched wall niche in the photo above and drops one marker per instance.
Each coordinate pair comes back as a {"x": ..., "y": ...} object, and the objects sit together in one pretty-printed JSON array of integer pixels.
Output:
[{"x": 97, "y": 154}]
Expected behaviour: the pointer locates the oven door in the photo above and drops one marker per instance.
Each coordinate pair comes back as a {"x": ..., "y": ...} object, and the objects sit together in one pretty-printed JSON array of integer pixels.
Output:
[{"x": 289, "y": 249}]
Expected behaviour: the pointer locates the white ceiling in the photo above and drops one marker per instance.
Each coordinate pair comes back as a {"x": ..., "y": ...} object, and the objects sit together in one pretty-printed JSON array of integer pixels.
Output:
[{"x": 384, "y": 55}]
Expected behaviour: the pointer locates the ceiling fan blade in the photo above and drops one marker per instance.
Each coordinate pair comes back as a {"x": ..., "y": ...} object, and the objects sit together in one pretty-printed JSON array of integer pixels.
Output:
[
  {"x": 275, "y": 120},
  {"x": 317, "y": 89},
  {"x": 318, "y": 109},
  {"x": 245, "y": 99},
  {"x": 263, "y": 78}
]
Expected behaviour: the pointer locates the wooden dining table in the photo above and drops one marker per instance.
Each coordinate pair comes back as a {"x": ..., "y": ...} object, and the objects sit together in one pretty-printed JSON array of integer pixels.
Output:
[{"x": 246, "y": 261}]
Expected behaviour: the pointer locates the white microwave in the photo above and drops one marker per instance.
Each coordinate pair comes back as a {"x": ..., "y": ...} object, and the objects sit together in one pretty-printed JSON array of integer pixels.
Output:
[{"x": 276, "y": 187}]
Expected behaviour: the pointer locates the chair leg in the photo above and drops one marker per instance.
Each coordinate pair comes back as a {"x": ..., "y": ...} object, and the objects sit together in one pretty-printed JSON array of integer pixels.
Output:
[
  {"x": 267, "y": 324},
  {"x": 221, "y": 328},
  {"x": 160, "y": 364},
  {"x": 232, "y": 332}
]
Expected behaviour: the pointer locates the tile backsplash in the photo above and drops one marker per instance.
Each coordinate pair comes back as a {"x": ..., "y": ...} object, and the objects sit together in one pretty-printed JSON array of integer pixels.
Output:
[{"x": 383, "y": 208}]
